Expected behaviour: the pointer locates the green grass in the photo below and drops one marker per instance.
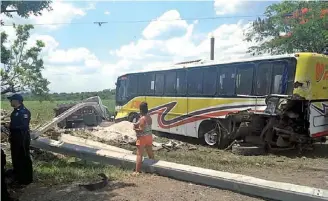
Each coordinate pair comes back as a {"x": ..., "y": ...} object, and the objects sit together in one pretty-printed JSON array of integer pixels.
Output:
[{"x": 54, "y": 169}]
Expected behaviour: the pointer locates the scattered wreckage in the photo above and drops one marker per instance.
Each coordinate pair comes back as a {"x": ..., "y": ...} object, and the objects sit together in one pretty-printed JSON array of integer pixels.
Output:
[{"x": 285, "y": 124}]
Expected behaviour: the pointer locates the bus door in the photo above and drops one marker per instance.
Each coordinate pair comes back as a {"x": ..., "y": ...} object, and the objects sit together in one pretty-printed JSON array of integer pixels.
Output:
[{"x": 318, "y": 119}]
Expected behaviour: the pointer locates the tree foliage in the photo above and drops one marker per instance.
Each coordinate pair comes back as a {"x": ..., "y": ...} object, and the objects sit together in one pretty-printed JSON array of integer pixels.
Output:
[
  {"x": 290, "y": 26},
  {"x": 21, "y": 68},
  {"x": 24, "y": 8}
]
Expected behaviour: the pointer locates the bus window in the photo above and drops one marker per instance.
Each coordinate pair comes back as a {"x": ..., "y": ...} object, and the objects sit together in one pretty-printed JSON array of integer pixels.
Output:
[
  {"x": 149, "y": 83},
  {"x": 181, "y": 83},
  {"x": 244, "y": 79},
  {"x": 141, "y": 84},
  {"x": 159, "y": 84},
  {"x": 170, "y": 83},
  {"x": 226, "y": 78},
  {"x": 195, "y": 81},
  {"x": 209, "y": 81},
  {"x": 291, "y": 76},
  {"x": 263, "y": 79},
  {"x": 278, "y": 70},
  {"x": 132, "y": 83},
  {"x": 121, "y": 95}
]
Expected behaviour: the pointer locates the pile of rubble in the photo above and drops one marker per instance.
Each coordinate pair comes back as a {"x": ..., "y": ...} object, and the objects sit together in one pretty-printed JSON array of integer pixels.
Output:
[{"x": 5, "y": 119}]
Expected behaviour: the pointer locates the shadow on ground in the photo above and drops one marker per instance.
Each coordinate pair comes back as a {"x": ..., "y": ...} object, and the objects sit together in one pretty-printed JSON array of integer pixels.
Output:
[{"x": 71, "y": 192}]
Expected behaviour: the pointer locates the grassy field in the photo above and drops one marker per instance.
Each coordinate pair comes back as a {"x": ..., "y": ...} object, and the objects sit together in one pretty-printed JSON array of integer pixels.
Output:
[{"x": 286, "y": 167}]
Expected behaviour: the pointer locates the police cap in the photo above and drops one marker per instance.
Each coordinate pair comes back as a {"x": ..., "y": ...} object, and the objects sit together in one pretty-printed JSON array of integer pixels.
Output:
[{"x": 16, "y": 97}]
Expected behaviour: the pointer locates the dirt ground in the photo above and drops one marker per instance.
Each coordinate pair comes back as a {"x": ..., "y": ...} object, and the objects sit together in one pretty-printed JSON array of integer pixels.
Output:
[{"x": 144, "y": 188}]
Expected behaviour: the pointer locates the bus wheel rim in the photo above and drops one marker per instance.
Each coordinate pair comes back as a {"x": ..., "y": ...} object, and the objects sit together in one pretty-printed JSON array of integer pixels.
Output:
[{"x": 211, "y": 138}]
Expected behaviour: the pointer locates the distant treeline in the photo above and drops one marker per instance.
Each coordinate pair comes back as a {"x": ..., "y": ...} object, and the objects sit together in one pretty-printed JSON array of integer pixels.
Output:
[{"x": 106, "y": 94}]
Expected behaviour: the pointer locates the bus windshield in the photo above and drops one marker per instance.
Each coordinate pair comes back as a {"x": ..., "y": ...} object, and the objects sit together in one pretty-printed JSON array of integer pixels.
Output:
[{"x": 121, "y": 91}]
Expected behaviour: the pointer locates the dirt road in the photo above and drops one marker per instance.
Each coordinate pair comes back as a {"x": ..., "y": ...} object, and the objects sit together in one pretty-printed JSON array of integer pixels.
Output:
[{"x": 143, "y": 188}]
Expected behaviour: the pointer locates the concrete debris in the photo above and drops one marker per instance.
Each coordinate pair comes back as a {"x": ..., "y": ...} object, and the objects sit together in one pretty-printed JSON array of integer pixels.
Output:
[
  {"x": 121, "y": 132},
  {"x": 91, "y": 144},
  {"x": 4, "y": 114},
  {"x": 173, "y": 145}
]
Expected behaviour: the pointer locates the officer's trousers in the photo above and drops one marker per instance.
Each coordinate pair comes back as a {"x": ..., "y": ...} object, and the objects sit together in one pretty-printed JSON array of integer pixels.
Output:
[
  {"x": 4, "y": 191},
  {"x": 21, "y": 158}
]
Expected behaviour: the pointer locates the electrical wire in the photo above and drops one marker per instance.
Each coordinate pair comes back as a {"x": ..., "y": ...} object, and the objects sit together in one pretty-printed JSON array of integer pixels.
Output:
[{"x": 139, "y": 21}]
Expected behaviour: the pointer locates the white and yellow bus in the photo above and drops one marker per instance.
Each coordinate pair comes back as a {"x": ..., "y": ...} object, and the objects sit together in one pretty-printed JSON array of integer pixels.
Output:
[{"x": 190, "y": 98}]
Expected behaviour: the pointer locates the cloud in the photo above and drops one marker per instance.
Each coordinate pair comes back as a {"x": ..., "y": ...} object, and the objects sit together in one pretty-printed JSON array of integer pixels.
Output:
[
  {"x": 223, "y": 7},
  {"x": 79, "y": 69},
  {"x": 107, "y": 12},
  {"x": 169, "y": 20},
  {"x": 151, "y": 53}
]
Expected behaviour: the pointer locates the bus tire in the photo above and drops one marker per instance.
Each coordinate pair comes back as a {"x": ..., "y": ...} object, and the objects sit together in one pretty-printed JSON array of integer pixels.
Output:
[
  {"x": 211, "y": 136},
  {"x": 133, "y": 117}
]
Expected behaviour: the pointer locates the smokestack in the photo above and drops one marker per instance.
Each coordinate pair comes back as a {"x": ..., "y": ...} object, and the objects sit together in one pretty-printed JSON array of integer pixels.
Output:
[{"x": 212, "y": 47}]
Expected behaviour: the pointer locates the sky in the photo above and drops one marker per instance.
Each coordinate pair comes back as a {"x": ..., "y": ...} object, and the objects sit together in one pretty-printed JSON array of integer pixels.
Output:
[{"x": 83, "y": 56}]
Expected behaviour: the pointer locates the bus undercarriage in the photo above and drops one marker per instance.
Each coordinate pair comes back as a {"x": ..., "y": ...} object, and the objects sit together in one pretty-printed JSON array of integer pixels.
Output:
[{"x": 283, "y": 125}]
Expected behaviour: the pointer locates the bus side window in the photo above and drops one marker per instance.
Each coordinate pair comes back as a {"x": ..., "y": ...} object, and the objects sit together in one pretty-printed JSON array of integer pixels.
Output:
[
  {"x": 209, "y": 81},
  {"x": 291, "y": 76},
  {"x": 141, "y": 84},
  {"x": 226, "y": 80},
  {"x": 244, "y": 79},
  {"x": 132, "y": 85},
  {"x": 159, "y": 84},
  {"x": 181, "y": 83},
  {"x": 278, "y": 70},
  {"x": 170, "y": 83},
  {"x": 195, "y": 81},
  {"x": 149, "y": 83},
  {"x": 263, "y": 79}
]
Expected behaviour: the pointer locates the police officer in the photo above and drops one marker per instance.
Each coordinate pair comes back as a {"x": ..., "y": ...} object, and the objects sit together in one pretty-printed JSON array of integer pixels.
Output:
[{"x": 20, "y": 141}]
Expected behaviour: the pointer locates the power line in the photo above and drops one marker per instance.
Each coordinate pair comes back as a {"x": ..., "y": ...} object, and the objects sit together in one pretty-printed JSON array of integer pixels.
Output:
[{"x": 140, "y": 21}]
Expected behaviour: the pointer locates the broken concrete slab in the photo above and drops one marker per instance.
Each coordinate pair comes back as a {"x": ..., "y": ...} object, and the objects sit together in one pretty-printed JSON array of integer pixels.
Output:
[
  {"x": 224, "y": 180},
  {"x": 92, "y": 144}
]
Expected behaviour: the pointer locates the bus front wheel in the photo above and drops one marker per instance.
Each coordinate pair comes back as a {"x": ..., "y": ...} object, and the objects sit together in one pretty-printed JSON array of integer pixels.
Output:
[
  {"x": 216, "y": 136},
  {"x": 133, "y": 118}
]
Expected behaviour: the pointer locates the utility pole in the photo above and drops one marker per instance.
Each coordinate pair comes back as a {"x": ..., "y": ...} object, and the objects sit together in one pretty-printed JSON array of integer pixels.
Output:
[{"x": 212, "y": 47}]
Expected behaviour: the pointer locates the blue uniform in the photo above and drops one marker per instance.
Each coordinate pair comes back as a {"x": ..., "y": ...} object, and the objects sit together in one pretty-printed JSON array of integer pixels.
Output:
[
  {"x": 20, "y": 119},
  {"x": 20, "y": 145}
]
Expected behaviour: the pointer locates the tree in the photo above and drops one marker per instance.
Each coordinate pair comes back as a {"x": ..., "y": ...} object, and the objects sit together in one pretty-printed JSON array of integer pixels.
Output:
[
  {"x": 290, "y": 26},
  {"x": 21, "y": 65},
  {"x": 24, "y": 8}
]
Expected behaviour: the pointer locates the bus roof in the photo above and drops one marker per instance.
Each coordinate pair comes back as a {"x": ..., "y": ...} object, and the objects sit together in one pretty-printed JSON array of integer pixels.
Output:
[{"x": 200, "y": 62}]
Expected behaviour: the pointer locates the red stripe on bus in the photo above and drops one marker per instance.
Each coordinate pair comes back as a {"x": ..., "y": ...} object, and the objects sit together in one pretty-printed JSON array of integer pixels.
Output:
[
  {"x": 195, "y": 118},
  {"x": 320, "y": 134}
]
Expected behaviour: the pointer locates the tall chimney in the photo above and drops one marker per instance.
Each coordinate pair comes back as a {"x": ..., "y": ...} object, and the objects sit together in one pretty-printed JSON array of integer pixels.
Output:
[{"x": 212, "y": 47}]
